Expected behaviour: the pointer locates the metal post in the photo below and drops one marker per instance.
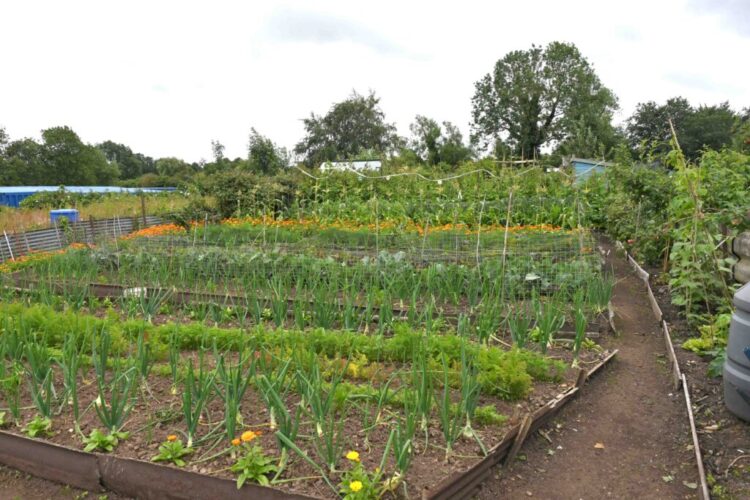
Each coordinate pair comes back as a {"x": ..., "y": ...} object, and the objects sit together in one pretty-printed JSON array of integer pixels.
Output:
[
  {"x": 25, "y": 238},
  {"x": 143, "y": 208},
  {"x": 92, "y": 229},
  {"x": 57, "y": 233},
  {"x": 7, "y": 242}
]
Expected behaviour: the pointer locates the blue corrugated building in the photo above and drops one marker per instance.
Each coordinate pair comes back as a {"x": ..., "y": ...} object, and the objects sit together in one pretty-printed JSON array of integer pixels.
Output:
[
  {"x": 13, "y": 195},
  {"x": 583, "y": 168}
]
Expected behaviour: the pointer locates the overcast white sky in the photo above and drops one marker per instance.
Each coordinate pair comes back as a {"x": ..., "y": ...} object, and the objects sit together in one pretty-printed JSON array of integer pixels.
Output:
[{"x": 167, "y": 77}]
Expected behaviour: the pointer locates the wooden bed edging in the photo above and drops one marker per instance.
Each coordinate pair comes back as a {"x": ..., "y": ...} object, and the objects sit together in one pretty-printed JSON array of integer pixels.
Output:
[
  {"x": 463, "y": 484},
  {"x": 674, "y": 364},
  {"x": 125, "y": 476},
  {"x": 50, "y": 461},
  {"x": 705, "y": 495}
]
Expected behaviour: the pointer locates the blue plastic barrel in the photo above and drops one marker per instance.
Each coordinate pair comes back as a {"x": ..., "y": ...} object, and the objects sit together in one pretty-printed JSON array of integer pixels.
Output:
[{"x": 69, "y": 213}]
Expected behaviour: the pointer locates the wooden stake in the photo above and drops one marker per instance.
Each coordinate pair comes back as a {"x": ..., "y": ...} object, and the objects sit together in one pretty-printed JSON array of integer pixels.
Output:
[
  {"x": 523, "y": 431},
  {"x": 696, "y": 444}
]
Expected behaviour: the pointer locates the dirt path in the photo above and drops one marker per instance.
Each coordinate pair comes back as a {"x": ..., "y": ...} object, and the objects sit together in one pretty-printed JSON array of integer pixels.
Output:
[{"x": 630, "y": 409}]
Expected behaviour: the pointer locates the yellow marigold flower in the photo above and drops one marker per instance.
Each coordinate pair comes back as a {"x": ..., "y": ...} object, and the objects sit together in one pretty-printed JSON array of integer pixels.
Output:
[
  {"x": 171, "y": 438},
  {"x": 355, "y": 486},
  {"x": 248, "y": 436},
  {"x": 236, "y": 442},
  {"x": 353, "y": 456}
]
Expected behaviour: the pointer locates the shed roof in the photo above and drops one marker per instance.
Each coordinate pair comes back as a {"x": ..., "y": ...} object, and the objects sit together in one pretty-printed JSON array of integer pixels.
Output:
[
  {"x": 593, "y": 163},
  {"x": 79, "y": 189}
]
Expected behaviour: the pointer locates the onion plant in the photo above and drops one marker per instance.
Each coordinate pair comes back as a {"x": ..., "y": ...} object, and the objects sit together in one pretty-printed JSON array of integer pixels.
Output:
[
  {"x": 286, "y": 423},
  {"x": 233, "y": 379},
  {"x": 421, "y": 380},
  {"x": 70, "y": 363},
  {"x": 11, "y": 377},
  {"x": 549, "y": 320},
  {"x": 40, "y": 376},
  {"x": 600, "y": 293},
  {"x": 116, "y": 394},
  {"x": 519, "y": 323},
  {"x": 196, "y": 392},
  {"x": 403, "y": 434},
  {"x": 319, "y": 397},
  {"x": 143, "y": 359},
  {"x": 450, "y": 420},
  {"x": 174, "y": 357},
  {"x": 580, "y": 325}
]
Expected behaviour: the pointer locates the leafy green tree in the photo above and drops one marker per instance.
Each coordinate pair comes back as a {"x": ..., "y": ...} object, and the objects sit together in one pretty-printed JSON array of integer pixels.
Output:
[
  {"x": 67, "y": 160},
  {"x": 218, "y": 150},
  {"x": 131, "y": 164},
  {"x": 4, "y": 140},
  {"x": 452, "y": 150},
  {"x": 436, "y": 145},
  {"x": 741, "y": 134},
  {"x": 173, "y": 167},
  {"x": 538, "y": 97},
  {"x": 22, "y": 164},
  {"x": 591, "y": 141},
  {"x": 708, "y": 127},
  {"x": 264, "y": 156},
  {"x": 349, "y": 127},
  {"x": 699, "y": 128},
  {"x": 425, "y": 141},
  {"x": 649, "y": 127}
]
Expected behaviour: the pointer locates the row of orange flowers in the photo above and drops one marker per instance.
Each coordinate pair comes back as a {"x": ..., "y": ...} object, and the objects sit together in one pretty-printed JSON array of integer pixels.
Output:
[
  {"x": 36, "y": 256},
  {"x": 158, "y": 230},
  {"x": 355, "y": 226}
]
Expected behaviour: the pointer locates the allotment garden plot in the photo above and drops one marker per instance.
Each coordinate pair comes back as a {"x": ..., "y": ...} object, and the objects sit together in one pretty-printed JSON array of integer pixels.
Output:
[{"x": 322, "y": 359}]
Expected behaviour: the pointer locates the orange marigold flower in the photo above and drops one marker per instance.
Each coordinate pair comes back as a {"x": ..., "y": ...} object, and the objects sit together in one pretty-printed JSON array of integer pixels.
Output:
[
  {"x": 236, "y": 442},
  {"x": 248, "y": 436},
  {"x": 171, "y": 438}
]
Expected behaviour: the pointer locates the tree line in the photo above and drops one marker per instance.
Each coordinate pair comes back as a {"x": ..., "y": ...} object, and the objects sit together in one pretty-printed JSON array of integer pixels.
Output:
[{"x": 542, "y": 103}]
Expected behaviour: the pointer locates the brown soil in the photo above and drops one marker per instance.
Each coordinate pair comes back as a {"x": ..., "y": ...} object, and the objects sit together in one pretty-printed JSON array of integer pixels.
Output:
[
  {"x": 723, "y": 437},
  {"x": 15, "y": 485},
  {"x": 157, "y": 414},
  {"x": 626, "y": 436}
]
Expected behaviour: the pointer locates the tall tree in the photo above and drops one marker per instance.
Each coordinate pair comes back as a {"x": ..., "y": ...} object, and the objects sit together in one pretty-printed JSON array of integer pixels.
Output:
[
  {"x": 536, "y": 97},
  {"x": 67, "y": 160},
  {"x": 173, "y": 167},
  {"x": 435, "y": 144},
  {"x": 425, "y": 141},
  {"x": 351, "y": 126},
  {"x": 264, "y": 156},
  {"x": 708, "y": 127},
  {"x": 22, "y": 164},
  {"x": 648, "y": 128},
  {"x": 131, "y": 164}
]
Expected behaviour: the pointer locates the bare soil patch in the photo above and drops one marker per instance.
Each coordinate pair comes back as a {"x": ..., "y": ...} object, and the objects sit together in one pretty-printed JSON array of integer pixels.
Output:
[{"x": 626, "y": 436}]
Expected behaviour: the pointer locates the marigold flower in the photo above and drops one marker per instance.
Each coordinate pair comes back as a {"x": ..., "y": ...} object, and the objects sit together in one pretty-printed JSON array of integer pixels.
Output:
[
  {"x": 353, "y": 456},
  {"x": 355, "y": 486},
  {"x": 171, "y": 438},
  {"x": 248, "y": 436},
  {"x": 236, "y": 442}
]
